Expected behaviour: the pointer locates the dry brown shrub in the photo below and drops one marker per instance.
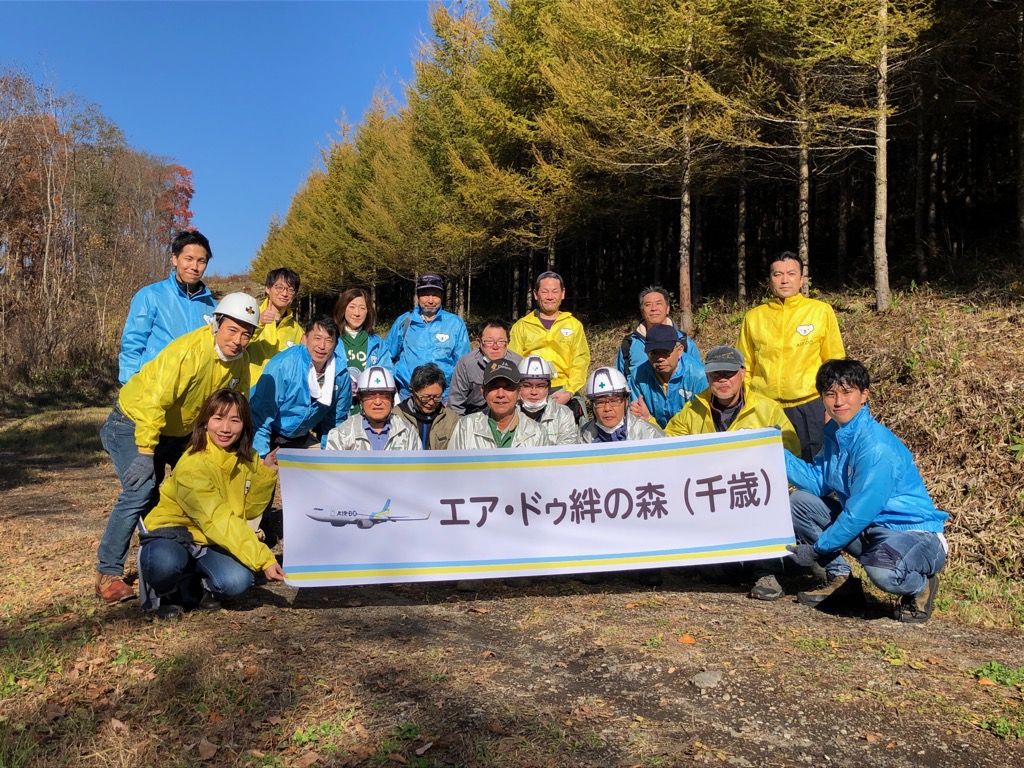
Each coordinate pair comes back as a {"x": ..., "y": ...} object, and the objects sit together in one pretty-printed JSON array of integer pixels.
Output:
[{"x": 947, "y": 371}]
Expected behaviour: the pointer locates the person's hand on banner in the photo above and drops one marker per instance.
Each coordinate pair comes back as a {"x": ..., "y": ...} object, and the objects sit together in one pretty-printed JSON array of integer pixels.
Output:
[
  {"x": 270, "y": 460},
  {"x": 274, "y": 572}
]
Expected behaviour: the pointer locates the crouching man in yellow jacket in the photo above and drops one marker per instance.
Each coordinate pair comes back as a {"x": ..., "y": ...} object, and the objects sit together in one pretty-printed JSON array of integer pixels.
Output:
[
  {"x": 153, "y": 418},
  {"x": 727, "y": 405},
  {"x": 197, "y": 541}
]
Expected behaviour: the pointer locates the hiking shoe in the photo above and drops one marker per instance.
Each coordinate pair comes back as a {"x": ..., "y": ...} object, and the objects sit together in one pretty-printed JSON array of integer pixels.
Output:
[
  {"x": 112, "y": 589},
  {"x": 767, "y": 588},
  {"x": 917, "y": 609},
  {"x": 649, "y": 578},
  {"x": 168, "y": 612},
  {"x": 817, "y": 596}
]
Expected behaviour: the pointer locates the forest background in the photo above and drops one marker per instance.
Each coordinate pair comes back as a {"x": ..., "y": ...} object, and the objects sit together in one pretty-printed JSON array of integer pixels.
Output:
[{"x": 621, "y": 143}]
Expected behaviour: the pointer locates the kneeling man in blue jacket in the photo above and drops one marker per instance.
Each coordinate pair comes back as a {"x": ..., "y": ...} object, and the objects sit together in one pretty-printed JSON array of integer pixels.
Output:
[{"x": 865, "y": 495}]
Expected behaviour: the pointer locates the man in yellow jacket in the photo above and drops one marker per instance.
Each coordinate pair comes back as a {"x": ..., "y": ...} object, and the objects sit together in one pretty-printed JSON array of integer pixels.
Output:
[
  {"x": 727, "y": 405},
  {"x": 278, "y": 329},
  {"x": 785, "y": 342},
  {"x": 153, "y": 418},
  {"x": 556, "y": 336}
]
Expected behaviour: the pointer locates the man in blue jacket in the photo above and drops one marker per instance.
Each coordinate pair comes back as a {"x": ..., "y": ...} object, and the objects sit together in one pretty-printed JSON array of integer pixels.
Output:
[
  {"x": 655, "y": 309},
  {"x": 305, "y": 388},
  {"x": 428, "y": 334},
  {"x": 880, "y": 512},
  {"x": 667, "y": 381},
  {"x": 161, "y": 312}
]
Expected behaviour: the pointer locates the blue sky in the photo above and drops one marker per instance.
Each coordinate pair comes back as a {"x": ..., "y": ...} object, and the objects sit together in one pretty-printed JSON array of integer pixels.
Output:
[{"x": 243, "y": 93}]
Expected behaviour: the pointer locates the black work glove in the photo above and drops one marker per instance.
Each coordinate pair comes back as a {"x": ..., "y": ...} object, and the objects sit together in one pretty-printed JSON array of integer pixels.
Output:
[{"x": 803, "y": 554}]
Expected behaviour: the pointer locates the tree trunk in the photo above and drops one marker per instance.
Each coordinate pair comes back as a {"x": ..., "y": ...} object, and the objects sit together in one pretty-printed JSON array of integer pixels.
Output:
[
  {"x": 804, "y": 194},
  {"x": 1020, "y": 134},
  {"x": 920, "y": 192},
  {"x": 741, "y": 240},
  {"x": 685, "y": 300},
  {"x": 842, "y": 224},
  {"x": 881, "y": 258}
]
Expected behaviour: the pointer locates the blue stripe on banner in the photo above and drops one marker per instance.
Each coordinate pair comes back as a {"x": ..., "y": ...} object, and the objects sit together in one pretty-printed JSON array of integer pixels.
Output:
[
  {"x": 439, "y": 461},
  {"x": 325, "y": 571}
]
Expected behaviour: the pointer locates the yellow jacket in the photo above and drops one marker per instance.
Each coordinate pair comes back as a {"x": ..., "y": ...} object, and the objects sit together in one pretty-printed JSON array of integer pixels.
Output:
[
  {"x": 270, "y": 339},
  {"x": 213, "y": 493},
  {"x": 164, "y": 398},
  {"x": 564, "y": 346},
  {"x": 757, "y": 412},
  {"x": 784, "y": 344}
]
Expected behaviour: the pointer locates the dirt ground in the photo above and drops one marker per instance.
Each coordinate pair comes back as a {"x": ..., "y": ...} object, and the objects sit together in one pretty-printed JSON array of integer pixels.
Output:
[{"x": 555, "y": 674}]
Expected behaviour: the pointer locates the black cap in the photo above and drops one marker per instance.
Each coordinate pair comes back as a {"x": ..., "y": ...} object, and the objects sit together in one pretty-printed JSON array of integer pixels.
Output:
[
  {"x": 428, "y": 281},
  {"x": 501, "y": 369},
  {"x": 661, "y": 337},
  {"x": 723, "y": 360}
]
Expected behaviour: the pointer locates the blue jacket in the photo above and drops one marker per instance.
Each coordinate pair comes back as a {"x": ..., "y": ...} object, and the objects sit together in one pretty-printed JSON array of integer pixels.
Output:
[
  {"x": 874, "y": 477},
  {"x": 281, "y": 403},
  {"x": 443, "y": 341},
  {"x": 159, "y": 313},
  {"x": 637, "y": 355},
  {"x": 686, "y": 382}
]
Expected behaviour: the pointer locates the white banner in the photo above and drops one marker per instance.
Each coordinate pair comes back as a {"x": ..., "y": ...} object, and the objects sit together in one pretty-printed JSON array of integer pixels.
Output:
[{"x": 353, "y": 517}]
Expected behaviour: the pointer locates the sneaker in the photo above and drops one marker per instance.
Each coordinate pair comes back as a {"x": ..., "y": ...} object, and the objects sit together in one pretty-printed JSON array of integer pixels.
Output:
[
  {"x": 817, "y": 596},
  {"x": 917, "y": 609},
  {"x": 767, "y": 588},
  {"x": 112, "y": 589}
]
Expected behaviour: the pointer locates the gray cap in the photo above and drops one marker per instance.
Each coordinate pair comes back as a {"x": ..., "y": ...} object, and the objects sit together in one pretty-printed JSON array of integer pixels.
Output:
[{"x": 723, "y": 360}]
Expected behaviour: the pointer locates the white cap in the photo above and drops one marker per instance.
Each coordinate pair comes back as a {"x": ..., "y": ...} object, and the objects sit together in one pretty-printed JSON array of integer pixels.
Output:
[
  {"x": 536, "y": 367},
  {"x": 239, "y": 306},
  {"x": 376, "y": 379},
  {"x": 606, "y": 381}
]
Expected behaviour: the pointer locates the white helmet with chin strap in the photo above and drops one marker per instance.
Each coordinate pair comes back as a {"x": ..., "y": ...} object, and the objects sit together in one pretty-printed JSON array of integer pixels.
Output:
[
  {"x": 238, "y": 306},
  {"x": 606, "y": 381},
  {"x": 376, "y": 379},
  {"x": 536, "y": 367}
]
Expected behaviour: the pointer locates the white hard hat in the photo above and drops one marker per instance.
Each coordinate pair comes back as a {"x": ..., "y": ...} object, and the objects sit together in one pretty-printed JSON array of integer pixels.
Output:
[
  {"x": 606, "y": 381},
  {"x": 376, "y": 379},
  {"x": 239, "y": 306},
  {"x": 536, "y": 367}
]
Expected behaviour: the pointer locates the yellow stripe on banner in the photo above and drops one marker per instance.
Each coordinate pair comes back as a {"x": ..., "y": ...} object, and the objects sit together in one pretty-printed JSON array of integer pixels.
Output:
[
  {"x": 549, "y": 461},
  {"x": 472, "y": 570}
]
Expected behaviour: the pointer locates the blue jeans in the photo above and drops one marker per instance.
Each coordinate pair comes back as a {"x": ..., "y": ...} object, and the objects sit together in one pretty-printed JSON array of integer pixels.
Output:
[
  {"x": 898, "y": 562},
  {"x": 118, "y": 437},
  {"x": 179, "y": 578}
]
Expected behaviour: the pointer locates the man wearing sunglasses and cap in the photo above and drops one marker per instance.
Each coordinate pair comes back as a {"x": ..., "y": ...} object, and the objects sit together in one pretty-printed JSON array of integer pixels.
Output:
[
  {"x": 727, "y": 405},
  {"x": 427, "y": 334},
  {"x": 556, "y": 336}
]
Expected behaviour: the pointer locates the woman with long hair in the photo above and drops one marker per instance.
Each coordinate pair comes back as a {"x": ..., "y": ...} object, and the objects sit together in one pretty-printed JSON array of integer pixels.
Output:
[{"x": 198, "y": 538}]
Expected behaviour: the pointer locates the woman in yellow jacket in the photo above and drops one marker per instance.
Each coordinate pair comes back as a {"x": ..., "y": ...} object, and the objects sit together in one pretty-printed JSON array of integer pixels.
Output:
[{"x": 198, "y": 538}]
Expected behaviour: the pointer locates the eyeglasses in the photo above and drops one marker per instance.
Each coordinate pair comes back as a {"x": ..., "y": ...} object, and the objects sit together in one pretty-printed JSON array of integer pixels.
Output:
[
  {"x": 427, "y": 398},
  {"x": 493, "y": 343},
  {"x": 376, "y": 395},
  {"x": 280, "y": 288},
  {"x": 607, "y": 400}
]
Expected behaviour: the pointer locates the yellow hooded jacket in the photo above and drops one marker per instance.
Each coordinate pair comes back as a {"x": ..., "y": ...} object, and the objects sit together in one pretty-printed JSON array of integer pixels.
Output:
[
  {"x": 213, "y": 493},
  {"x": 784, "y": 344},
  {"x": 270, "y": 339},
  {"x": 564, "y": 346},
  {"x": 165, "y": 397},
  {"x": 757, "y": 412}
]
